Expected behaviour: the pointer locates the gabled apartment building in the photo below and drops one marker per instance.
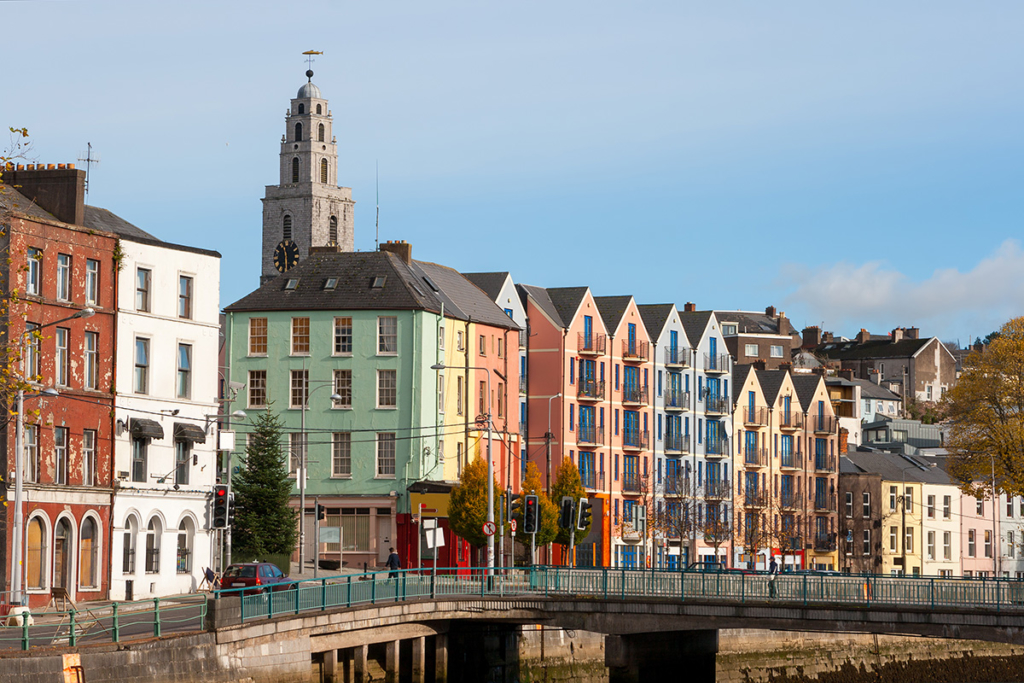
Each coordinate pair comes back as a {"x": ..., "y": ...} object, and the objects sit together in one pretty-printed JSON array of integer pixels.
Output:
[
  {"x": 753, "y": 460},
  {"x": 753, "y": 336}
]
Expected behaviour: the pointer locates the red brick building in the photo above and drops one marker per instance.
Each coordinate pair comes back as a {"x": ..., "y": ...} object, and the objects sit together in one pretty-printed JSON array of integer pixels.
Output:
[{"x": 59, "y": 266}]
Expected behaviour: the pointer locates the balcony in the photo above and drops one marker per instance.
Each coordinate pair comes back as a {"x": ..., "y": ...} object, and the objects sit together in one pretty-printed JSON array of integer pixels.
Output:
[
  {"x": 717, "y": 405},
  {"x": 630, "y": 482},
  {"x": 635, "y": 439},
  {"x": 592, "y": 480},
  {"x": 522, "y": 385},
  {"x": 756, "y": 457},
  {"x": 593, "y": 345},
  {"x": 676, "y": 357},
  {"x": 522, "y": 429},
  {"x": 790, "y": 421},
  {"x": 824, "y": 463},
  {"x": 755, "y": 499},
  {"x": 590, "y": 390},
  {"x": 824, "y": 543},
  {"x": 589, "y": 436},
  {"x": 523, "y": 336},
  {"x": 717, "y": 490},
  {"x": 676, "y": 399},
  {"x": 675, "y": 486},
  {"x": 717, "y": 364},
  {"x": 789, "y": 500},
  {"x": 635, "y": 394},
  {"x": 824, "y": 424},
  {"x": 717, "y": 447},
  {"x": 791, "y": 461},
  {"x": 825, "y": 502},
  {"x": 635, "y": 352},
  {"x": 677, "y": 444},
  {"x": 755, "y": 417}
]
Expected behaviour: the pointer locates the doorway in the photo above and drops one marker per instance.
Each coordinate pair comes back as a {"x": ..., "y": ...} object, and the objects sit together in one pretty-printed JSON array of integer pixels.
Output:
[{"x": 63, "y": 551}]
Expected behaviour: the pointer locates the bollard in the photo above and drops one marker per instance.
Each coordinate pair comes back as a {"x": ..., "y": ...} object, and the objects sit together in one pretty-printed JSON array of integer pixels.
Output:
[
  {"x": 156, "y": 617},
  {"x": 115, "y": 633},
  {"x": 323, "y": 594},
  {"x": 24, "y": 629},
  {"x": 72, "y": 636}
]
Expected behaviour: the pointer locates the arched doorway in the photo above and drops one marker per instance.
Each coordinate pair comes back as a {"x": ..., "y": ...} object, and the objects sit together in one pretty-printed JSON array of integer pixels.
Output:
[{"x": 63, "y": 551}]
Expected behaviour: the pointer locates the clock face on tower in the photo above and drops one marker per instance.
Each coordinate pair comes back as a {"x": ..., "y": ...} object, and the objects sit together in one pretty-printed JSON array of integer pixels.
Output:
[{"x": 286, "y": 256}]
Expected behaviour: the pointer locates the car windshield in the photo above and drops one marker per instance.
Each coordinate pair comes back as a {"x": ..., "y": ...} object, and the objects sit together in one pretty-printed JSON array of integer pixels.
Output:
[{"x": 247, "y": 571}]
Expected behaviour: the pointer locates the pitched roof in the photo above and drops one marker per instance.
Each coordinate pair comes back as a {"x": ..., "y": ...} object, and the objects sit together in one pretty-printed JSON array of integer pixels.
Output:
[
  {"x": 869, "y": 389},
  {"x": 753, "y": 322},
  {"x": 694, "y": 324},
  {"x": 805, "y": 386},
  {"x": 13, "y": 200},
  {"x": 542, "y": 299},
  {"x": 655, "y": 316},
  {"x": 101, "y": 219},
  {"x": 771, "y": 384},
  {"x": 471, "y": 301},
  {"x": 566, "y": 301},
  {"x": 875, "y": 348},
  {"x": 400, "y": 289},
  {"x": 894, "y": 467},
  {"x": 739, "y": 378},
  {"x": 612, "y": 308},
  {"x": 491, "y": 283}
]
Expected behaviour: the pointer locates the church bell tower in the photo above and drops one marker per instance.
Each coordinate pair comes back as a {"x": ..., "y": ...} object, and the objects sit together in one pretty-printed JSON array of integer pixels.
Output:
[{"x": 308, "y": 208}]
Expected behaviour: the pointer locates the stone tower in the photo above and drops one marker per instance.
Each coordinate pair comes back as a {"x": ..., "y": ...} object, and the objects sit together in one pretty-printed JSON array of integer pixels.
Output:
[{"x": 307, "y": 207}]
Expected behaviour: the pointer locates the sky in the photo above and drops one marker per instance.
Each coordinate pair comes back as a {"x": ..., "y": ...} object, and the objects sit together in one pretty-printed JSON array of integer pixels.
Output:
[{"x": 856, "y": 165}]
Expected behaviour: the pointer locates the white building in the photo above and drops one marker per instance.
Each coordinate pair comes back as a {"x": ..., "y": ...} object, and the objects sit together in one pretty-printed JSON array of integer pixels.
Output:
[{"x": 166, "y": 380}]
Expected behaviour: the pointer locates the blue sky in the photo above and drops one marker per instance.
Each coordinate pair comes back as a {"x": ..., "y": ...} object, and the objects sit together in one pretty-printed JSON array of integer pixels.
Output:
[{"x": 855, "y": 166}]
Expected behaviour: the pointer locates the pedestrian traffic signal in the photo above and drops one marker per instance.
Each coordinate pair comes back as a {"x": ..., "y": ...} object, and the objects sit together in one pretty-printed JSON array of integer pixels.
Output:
[
  {"x": 531, "y": 515},
  {"x": 220, "y": 506},
  {"x": 565, "y": 514},
  {"x": 515, "y": 506},
  {"x": 231, "y": 509},
  {"x": 584, "y": 515},
  {"x": 321, "y": 511}
]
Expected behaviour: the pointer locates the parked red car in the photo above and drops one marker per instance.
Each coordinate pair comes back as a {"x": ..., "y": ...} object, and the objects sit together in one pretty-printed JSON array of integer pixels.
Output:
[{"x": 263, "y": 576}]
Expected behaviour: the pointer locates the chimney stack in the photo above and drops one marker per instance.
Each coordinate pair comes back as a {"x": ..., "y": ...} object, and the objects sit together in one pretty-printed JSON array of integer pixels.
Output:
[
  {"x": 689, "y": 307},
  {"x": 760, "y": 364},
  {"x": 897, "y": 335},
  {"x": 399, "y": 248},
  {"x": 787, "y": 366},
  {"x": 59, "y": 191},
  {"x": 863, "y": 336},
  {"x": 912, "y": 333},
  {"x": 812, "y": 336},
  {"x": 770, "y": 311},
  {"x": 846, "y": 373}
]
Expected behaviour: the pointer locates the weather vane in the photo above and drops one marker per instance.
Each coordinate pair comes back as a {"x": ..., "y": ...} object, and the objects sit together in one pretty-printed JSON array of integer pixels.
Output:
[{"x": 309, "y": 57}]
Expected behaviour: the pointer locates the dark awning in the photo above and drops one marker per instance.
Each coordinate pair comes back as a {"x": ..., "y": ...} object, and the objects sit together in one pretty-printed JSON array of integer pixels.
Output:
[
  {"x": 189, "y": 432},
  {"x": 146, "y": 429}
]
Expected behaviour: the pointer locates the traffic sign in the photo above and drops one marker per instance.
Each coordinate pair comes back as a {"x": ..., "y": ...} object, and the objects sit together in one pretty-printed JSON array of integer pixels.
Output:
[
  {"x": 512, "y": 523},
  {"x": 489, "y": 528}
]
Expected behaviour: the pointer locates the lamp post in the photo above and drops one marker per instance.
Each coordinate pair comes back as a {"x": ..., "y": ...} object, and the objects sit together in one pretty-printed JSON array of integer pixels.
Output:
[
  {"x": 490, "y": 463},
  {"x": 17, "y": 566},
  {"x": 302, "y": 465},
  {"x": 240, "y": 414}
]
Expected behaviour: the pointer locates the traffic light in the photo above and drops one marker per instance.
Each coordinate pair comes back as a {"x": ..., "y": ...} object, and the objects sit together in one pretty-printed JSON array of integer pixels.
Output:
[
  {"x": 220, "y": 506},
  {"x": 321, "y": 511},
  {"x": 515, "y": 506},
  {"x": 584, "y": 515},
  {"x": 531, "y": 513},
  {"x": 231, "y": 509},
  {"x": 640, "y": 519},
  {"x": 565, "y": 516}
]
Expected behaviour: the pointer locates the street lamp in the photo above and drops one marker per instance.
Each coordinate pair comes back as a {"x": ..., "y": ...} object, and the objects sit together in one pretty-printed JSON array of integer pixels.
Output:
[
  {"x": 490, "y": 463},
  {"x": 17, "y": 565},
  {"x": 240, "y": 414},
  {"x": 302, "y": 467}
]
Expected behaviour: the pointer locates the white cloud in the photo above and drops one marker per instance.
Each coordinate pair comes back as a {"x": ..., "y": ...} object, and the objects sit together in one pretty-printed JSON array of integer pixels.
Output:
[{"x": 950, "y": 304}]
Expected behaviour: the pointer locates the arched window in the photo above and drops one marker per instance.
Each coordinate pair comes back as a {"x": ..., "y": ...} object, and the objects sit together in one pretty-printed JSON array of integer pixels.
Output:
[
  {"x": 295, "y": 170},
  {"x": 131, "y": 530},
  {"x": 62, "y": 554},
  {"x": 323, "y": 170},
  {"x": 88, "y": 549},
  {"x": 298, "y": 132},
  {"x": 318, "y": 110},
  {"x": 286, "y": 232},
  {"x": 153, "y": 532},
  {"x": 302, "y": 108},
  {"x": 333, "y": 234},
  {"x": 36, "y": 565},
  {"x": 184, "y": 556},
  {"x": 320, "y": 133}
]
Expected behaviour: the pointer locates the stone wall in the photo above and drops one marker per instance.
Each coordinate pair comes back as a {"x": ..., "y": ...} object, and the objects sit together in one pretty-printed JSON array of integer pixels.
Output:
[{"x": 554, "y": 654}]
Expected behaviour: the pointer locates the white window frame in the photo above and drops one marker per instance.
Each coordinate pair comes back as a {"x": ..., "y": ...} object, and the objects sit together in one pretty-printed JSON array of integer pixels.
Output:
[
  {"x": 750, "y": 350},
  {"x": 381, "y": 457},
  {"x": 341, "y": 454},
  {"x": 309, "y": 342},
  {"x": 61, "y": 364},
  {"x": 776, "y": 351},
  {"x": 384, "y": 336},
  {"x": 143, "y": 290},
  {"x": 343, "y": 332},
  {"x": 33, "y": 279},
  {"x": 183, "y": 378},
  {"x": 92, "y": 281},
  {"x": 257, "y": 386},
  {"x": 64, "y": 265},
  {"x": 303, "y": 377},
  {"x": 186, "y": 299},
  {"x": 140, "y": 378},
  {"x": 265, "y": 336},
  {"x": 382, "y": 376}
]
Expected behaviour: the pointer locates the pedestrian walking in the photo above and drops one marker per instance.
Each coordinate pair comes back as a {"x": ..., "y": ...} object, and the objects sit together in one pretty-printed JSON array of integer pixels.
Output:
[
  {"x": 393, "y": 563},
  {"x": 773, "y": 572}
]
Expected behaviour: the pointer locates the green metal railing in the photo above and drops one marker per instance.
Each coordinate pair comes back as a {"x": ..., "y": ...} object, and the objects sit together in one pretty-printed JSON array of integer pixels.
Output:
[
  {"x": 351, "y": 590},
  {"x": 104, "y": 623}
]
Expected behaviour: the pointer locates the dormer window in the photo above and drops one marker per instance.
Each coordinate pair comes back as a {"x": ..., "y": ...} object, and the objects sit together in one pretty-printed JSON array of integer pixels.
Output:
[
  {"x": 378, "y": 282},
  {"x": 291, "y": 283},
  {"x": 331, "y": 283}
]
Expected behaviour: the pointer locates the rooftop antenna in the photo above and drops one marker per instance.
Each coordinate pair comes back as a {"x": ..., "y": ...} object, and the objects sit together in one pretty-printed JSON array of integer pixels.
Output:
[
  {"x": 376, "y": 237},
  {"x": 88, "y": 159}
]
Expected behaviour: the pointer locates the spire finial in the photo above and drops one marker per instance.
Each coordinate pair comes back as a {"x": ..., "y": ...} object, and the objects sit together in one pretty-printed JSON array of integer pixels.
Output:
[{"x": 309, "y": 63}]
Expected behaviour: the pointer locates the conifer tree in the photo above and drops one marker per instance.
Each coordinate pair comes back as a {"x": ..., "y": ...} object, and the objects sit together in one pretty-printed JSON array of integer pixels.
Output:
[{"x": 264, "y": 523}]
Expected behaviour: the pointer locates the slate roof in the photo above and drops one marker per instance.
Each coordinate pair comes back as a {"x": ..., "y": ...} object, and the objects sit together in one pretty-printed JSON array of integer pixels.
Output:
[
  {"x": 541, "y": 297},
  {"x": 883, "y": 348},
  {"x": 895, "y": 467},
  {"x": 471, "y": 301},
  {"x": 403, "y": 288},
  {"x": 753, "y": 322},
  {"x": 739, "y": 378},
  {"x": 491, "y": 283},
  {"x": 655, "y": 316},
  {"x": 566, "y": 300},
  {"x": 101, "y": 219},
  {"x": 805, "y": 386},
  {"x": 694, "y": 324},
  {"x": 612, "y": 308},
  {"x": 13, "y": 200},
  {"x": 869, "y": 389},
  {"x": 771, "y": 384}
]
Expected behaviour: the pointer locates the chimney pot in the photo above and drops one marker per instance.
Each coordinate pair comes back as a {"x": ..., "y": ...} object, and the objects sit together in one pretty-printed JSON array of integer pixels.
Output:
[
  {"x": 402, "y": 250},
  {"x": 51, "y": 167}
]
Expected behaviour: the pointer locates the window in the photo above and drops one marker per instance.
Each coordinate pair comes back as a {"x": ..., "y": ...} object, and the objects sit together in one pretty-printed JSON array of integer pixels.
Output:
[
  {"x": 182, "y": 455},
  {"x": 341, "y": 458},
  {"x": 323, "y": 171},
  {"x": 1009, "y": 507},
  {"x": 37, "y": 553},
  {"x": 295, "y": 175},
  {"x": 971, "y": 542},
  {"x": 296, "y": 453},
  {"x": 947, "y": 545},
  {"x": 501, "y": 399},
  {"x": 1010, "y": 547},
  {"x": 257, "y": 388},
  {"x": 63, "y": 277},
  {"x": 298, "y": 132},
  {"x": 332, "y": 230},
  {"x": 31, "y": 454},
  {"x": 153, "y": 533},
  {"x": 908, "y": 499},
  {"x": 89, "y": 551},
  {"x": 184, "y": 386},
  {"x": 286, "y": 222},
  {"x": 62, "y": 369},
  {"x": 910, "y": 540},
  {"x": 460, "y": 342},
  {"x": 89, "y": 457},
  {"x": 930, "y": 548},
  {"x": 866, "y": 505},
  {"x": 143, "y": 282},
  {"x": 440, "y": 394},
  {"x": 257, "y": 336},
  {"x": 320, "y": 128},
  {"x": 931, "y": 507},
  {"x": 750, "y": 350},
  {"x": 849, "y": 504},
  {"x": 387, "y": 335},
  {"x": 299, "y": 393},
  {"x": 729, "y": 330},
  {"x": 387, "y": 388},
  {"x": 483, "y": 399},
  {"x": 893, "y": 495},
  {"x": 460, "y": 391},
  {"x": 343, "y": 388},
  {"x": 776, "y": 351},
  {"x": 139, "y": 457},
  {"x": 300, "y": 336},
  {"x": 947, "y": 507},
  {"x": 92, "y": 281},
  {"x": 894, "y": 532},
  {"x": 483, "y": 345},
  {"x": 343, "y": 336},
  {"x": 32, "y": 279},
  {"x": 60, "y": 454},
  {"x": 183, "y": 558},
  {"x": 184, "y": 296},
  {"x": 32, "y": 354},
  {"x": 988, "y": 543},
  {"x": 440, "y": 337},
  {"x": 981, "y": 507},
  {"x": 141, "y": 366},
  {"x": 386, "y": 454},
  {"x": 867, "y": 542}
]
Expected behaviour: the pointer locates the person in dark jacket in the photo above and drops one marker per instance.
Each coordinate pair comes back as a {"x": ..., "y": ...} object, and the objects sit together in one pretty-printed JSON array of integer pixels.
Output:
[{"x": 393, "y": 563}]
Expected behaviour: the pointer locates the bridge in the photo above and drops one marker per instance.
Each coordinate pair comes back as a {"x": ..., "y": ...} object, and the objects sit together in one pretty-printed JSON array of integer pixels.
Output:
[{"x": 447, "y": 627}]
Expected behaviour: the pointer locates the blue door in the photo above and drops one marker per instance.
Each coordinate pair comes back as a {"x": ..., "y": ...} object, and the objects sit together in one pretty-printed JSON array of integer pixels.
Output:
[
  {"x": 588, "y": 330},
  {"x": 632, "y": 338}
]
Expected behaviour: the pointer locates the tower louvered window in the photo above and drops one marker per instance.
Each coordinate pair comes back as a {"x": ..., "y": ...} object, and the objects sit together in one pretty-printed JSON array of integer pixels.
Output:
[
  {"x": 302, "y": 108},
  {"x": 295, "y": 170},
  {"x": 320, "y": 133},
  {"x": 318, "y": 110},
  {"x": 286, "y": 233},
  {"x": 333, "y": 234},
  {"x": 298, "y": 132},
  {"x": 323, "y": 170}
]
